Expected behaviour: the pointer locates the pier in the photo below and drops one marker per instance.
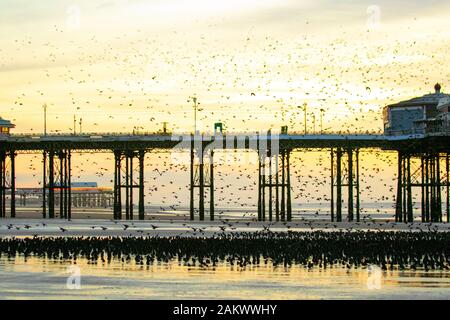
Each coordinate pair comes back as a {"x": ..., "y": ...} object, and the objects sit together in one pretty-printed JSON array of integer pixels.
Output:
[{"x": 423, "y": 163}]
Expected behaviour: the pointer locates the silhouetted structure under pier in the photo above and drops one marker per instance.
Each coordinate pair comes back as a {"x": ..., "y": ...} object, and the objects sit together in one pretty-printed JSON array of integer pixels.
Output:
[{"x": 274, "y": 179}]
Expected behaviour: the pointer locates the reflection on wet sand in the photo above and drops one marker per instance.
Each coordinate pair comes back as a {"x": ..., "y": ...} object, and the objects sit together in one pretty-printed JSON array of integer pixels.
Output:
[{"x": 42, "y": 278}]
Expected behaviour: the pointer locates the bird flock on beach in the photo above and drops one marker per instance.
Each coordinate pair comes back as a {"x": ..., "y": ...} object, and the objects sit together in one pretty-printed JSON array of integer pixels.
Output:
[{"x": 388, "y": 250}]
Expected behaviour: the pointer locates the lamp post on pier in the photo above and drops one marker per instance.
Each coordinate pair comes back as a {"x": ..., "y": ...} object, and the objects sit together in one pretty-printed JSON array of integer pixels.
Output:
[
  {"x": 314, "y": 123},
  {"x": 321, "y": 120},
  {"x": 196, "y": 104},
  {"x": 45, "y": 118},
  {"x": 304, "y": 108}
]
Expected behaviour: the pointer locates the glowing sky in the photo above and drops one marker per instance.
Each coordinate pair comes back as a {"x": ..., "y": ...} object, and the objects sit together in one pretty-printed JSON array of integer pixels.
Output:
[{"x": 133, "y": 64}]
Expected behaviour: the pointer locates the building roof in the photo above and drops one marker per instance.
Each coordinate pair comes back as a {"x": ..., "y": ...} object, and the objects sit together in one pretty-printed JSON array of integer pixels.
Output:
[
  {"x": 429, "y": 99},
  {"x": 443, "y": 103},
  {"x": 6, "y": 123}
]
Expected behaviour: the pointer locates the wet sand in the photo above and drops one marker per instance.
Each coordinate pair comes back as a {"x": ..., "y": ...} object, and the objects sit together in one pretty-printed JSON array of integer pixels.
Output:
[{"x": 172, "y": 227}]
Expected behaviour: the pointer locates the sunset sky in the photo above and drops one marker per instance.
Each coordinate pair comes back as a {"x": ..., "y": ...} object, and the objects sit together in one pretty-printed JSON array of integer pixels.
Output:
[
  {"x": 132, "y": 65},
  {"x": 121, "y": 65}
]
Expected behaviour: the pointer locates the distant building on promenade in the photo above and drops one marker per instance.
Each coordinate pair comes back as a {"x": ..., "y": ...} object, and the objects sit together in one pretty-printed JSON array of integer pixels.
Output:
[
  {"x": 5, "y": 126},
  {"x": 83, "y": 195},
  {"x": 425, "y": 114}
]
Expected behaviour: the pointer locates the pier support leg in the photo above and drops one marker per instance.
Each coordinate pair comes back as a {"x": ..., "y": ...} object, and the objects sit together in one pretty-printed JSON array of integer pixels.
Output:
[
  {"x": 141, "y": 185},
  {"x": 268, "y": 166},
  {"x": 57, "y": 175},
  {"x": 7, "y": 182},
  {"x": 69, "y": 185},
  {"x": 201, "y": 199},
  {"x": 211, "y": 185},
  {"x": 332, "y": 185},
  {"x": 51, "y": 185},
  {"x": 12, "y": 156},
  {"x": 338, "y": 185},
  {"x": 2, "y": 184},
  {"x": 410, "y": 214},
  {"x": 270, "y": 191},
  {"x": 427, "y": 189},
  {"x": 61, "y": 185},
  {"x": 422, "y": 188},
  {"x": 288, "y": 187},
  {"x": 191, "y": 184},
  {"x": 201, "y": 177},
  {"x": 438, "y": 189},
  {"x": 341, "y": 178},
  {"x": 358, "y": 204},
  {"x": 260, "y": 186},
  {"x": 263, "y": 187},
  {"x": 350, "y": 184},
  {"x": 447, "y": 207},
  {"x": 127, "y": 182},
  {"x": 277, "y": 190},
  {"x": 127, "y": 189},
  {"x": 432, "y": 189},
  {"x": 283, "y": 185},
  {"x": 44, "y": 185},
  {"x": 117, "y": 186},
  {"x": 399, "y": 200},
  {"x": 130, "y": 186},
  {"x": 404, "y": 186}
]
